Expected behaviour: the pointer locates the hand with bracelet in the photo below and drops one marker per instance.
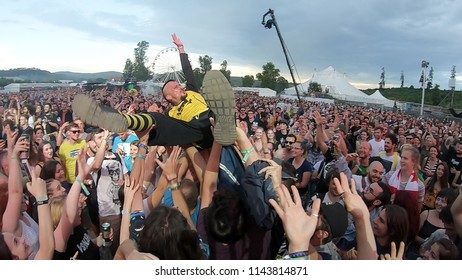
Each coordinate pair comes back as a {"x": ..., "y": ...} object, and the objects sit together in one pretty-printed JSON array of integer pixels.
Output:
[
  {"x": 178, "y": 43},
  {"x": 170, "y": 167},
  {"x": 38, "y": 188},
  {"x": 299, "y": 226}
]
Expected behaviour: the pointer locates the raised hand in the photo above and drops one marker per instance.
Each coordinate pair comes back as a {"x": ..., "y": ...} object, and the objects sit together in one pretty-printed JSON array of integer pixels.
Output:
[
  {"x": 82, "y": 165},
  {"x": 170, "y": 167},
  {"x": 298, "y": 225},
  {"x": 38, "y": 187},
  {"x": 177, "y": 41},
  {"x": 393, "y": 254},
  {"x": 353, "y": 202}
]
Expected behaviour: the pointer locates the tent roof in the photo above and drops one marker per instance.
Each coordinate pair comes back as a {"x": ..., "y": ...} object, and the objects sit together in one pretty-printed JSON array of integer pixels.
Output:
[{"x": 336, "y": 82}]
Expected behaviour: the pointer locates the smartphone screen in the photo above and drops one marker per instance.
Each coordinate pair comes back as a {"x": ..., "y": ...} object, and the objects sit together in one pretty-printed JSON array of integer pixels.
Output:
[{"x": 25, "y": 167}]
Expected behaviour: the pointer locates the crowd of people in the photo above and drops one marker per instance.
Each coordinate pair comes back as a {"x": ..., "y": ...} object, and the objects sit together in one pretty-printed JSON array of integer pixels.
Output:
[{"x": 210, "y": 174}]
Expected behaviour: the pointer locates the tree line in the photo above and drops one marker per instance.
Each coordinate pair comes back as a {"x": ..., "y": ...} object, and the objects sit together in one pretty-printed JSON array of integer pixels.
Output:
[{"x": 138, "y": 69}]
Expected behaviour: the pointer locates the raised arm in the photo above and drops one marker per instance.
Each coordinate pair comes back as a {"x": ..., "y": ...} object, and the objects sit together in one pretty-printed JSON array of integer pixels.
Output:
[
  {"x": 170, "y": 171},
  {"x": 38, "y": 189},
  {"x": 211, "y": 175},
  {"x": 367, "y": 249},
  {"x": 320, "y": 134},
  {"x": 185, "y": 65},
  {"x": 15, "y": 184}
]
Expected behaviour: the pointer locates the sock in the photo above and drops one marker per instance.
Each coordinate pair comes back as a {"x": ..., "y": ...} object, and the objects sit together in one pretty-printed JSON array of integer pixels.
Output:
[{"x": 139, "y": 122}]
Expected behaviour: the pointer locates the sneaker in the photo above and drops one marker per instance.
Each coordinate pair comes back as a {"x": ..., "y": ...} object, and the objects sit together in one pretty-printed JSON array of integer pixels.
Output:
[
  {"x": 220, "y": 98},
  {"x": 89, "y": 111}
]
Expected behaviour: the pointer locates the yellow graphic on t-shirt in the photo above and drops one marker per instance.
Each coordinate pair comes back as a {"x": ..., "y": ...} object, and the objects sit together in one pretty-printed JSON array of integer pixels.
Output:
[{"x": 191, "y": 107}]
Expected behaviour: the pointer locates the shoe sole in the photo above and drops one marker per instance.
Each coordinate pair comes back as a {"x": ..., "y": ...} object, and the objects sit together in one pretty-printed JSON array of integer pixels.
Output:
[
  {"x": 220, "y": 97},
  {"x": 88, "y": 110}
]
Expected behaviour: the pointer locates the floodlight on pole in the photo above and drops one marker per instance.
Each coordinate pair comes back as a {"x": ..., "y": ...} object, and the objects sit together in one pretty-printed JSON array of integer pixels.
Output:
[
  {"x": 268, "y": 24},
  {"x": 424, "y": 67}
]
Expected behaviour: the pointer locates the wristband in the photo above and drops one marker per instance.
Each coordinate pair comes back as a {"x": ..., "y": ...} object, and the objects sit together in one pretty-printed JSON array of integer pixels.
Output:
[
  {"x": 125, "y": 211},
  {"x": 296, "y": 255},
  {"x": 15, "y": 157},
  {"x": 142, "y": 146},
  {"x": 140, "y": 156},
  {"x": 246, "y": 154},
  {"x": 174, "y": 186},
  {"x": 42, "y": 202},
  {"x": 84, "y": 188}
]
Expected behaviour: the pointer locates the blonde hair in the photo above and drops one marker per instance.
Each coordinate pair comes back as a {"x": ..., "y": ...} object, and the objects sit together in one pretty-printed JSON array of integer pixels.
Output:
[{"x": 57, "y": 208}]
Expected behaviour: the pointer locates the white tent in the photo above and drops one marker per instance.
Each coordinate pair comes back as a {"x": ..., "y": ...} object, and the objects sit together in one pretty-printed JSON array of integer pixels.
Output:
[
  {"x": 335, "y": 84},
  {"x": 261, "y": 91},
  {"x": 378, "y": 98}
]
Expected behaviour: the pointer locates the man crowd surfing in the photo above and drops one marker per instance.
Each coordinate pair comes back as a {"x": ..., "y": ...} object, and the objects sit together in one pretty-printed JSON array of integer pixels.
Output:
[{"x": 207, "y": 173}]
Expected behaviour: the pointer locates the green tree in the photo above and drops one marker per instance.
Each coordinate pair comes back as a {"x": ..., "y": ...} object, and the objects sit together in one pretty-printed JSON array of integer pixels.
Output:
[
  {"x": 281, "y": 84},
  {"x": 225, "y": 71},
  {"x": 248, "y": 81},
  {"x": 314, "y": 87},
  {"x": 436, "y": 95},
  {"x": 198, "y": 77},
  {"x": 140, "y": 71},
  {"x": 402, "y": 79},
  {"x": 430, "y": 79},
  {"x": 269, "y": 76},
  {"x": 382, "y": 79},
  {"x": 128, "y": 70},
  {"x": 205, "y": 63}
]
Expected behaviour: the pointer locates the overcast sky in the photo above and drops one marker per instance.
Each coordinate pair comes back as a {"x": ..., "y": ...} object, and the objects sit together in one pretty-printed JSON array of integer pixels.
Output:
[{"x": 357, "y": 37}]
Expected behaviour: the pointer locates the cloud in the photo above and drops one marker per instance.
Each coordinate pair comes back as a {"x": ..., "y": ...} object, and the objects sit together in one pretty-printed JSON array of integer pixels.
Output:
[{"x": 356, "y": 37}]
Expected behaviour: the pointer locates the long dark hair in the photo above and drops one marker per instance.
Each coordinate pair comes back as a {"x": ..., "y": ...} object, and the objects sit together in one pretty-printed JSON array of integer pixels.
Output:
[
  {"x": 444, "y": 179},
  {"x": 49, "y": 169},
  {"x": 409, "y": 202},
  {"x": 40, "y": 155},
  {"x": 397, "y": 222},
  {"x": 168, "y": 236}
]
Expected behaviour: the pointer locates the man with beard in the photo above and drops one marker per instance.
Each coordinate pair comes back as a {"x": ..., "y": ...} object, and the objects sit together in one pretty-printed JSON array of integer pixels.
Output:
[
  {"x": 49, "y": 120},
  {"x": 390, "y": 156},
  {"x": 374, "y": 174},
  {"x": 375, "y": 196},
  {"x": 108, "y": 177},
  {"x": 454, "y": 161},
  {"x": 362, "y": 161}
]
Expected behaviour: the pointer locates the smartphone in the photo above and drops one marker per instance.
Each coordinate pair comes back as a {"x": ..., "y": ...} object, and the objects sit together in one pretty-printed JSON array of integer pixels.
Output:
[
  {"x": 25, "y": 154},
  {"x": 25, "y": 166}
]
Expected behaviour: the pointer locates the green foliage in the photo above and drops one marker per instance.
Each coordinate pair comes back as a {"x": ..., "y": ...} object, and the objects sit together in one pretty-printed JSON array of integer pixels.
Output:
[
  {"x": 281, "y": 84},
  {"x": 434, "y": 96},
  {"x": 128, "y": 70},
  {"x": 248, "y": 81},
  {"x": 198, "y": 76},
  {"x": 225, "y": 71},
  {"x": 5, "y": 81},
  {"x": 269, "y": 76},
  {"x": 382, "y": 79},
  {"x": 140, "y": 71},
  {"x": 205, "y": 63},
  {"x": 314, "y": 87}
]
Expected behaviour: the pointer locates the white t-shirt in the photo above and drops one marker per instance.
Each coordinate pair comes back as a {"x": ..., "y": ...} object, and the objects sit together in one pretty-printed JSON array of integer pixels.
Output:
[
  {"x": 107, "y": 189},
  {"x": 377, "y": 147}
]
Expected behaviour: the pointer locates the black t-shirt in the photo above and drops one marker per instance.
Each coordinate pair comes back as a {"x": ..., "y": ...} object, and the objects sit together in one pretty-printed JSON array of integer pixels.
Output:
[
  {"x": 278, "y": 135},
  {"x": 454, "y": 161},
  {"x": 79, "y": 241}
]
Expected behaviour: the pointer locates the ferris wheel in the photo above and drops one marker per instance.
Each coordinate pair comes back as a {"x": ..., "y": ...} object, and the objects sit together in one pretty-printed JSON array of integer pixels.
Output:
[{"x": 167, "y": 66}]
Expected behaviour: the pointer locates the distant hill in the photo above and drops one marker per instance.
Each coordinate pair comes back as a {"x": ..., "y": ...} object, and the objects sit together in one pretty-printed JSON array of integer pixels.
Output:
[{"x": 38, "y": 75}]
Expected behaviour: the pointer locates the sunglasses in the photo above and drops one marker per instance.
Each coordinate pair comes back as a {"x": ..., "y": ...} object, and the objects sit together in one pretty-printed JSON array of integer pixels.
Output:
[
  {"x": 75, "y": 131},
  {"x": 370, "y": 190},
  {"x": 289, "y": 142}
]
